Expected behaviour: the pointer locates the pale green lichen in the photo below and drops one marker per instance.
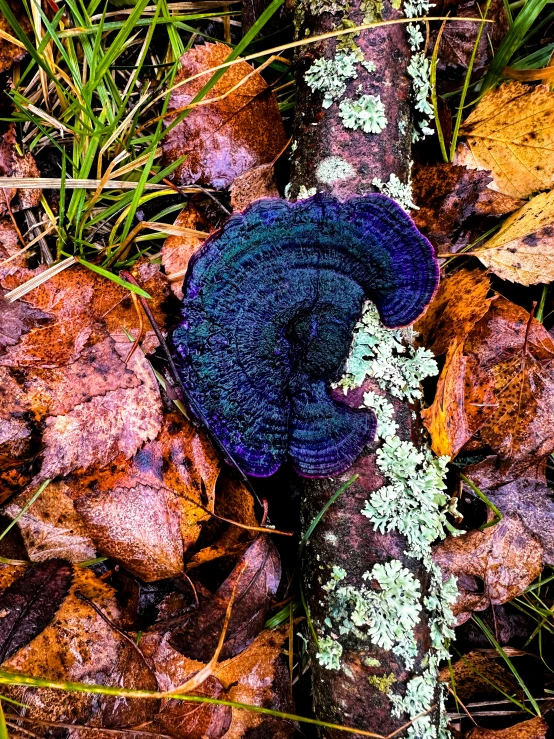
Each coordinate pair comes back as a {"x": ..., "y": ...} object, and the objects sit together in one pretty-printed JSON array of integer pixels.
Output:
[
  {"x": 304, "y": 193},
  {"x": 371, "y": 662},
  {"x": 383, "y": 683},
  {"x": 419, "y": 69},
  {"x": 399, "y": 191},
  {"x": 329, "y": 653},
  {"x": 386, "y": 425},
  {"x": 387, "y": 356},
  {"x": 369, "y": 65},
  {"x": 334, "y": 169},
  {"x": 415, "y": 37},
  {"x": 331, "y": 76},
  {"x": 367, "y": 113}
]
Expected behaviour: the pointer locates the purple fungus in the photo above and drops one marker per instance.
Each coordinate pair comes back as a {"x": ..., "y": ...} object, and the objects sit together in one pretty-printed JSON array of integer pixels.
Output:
[{"x": 271, "y": 301}]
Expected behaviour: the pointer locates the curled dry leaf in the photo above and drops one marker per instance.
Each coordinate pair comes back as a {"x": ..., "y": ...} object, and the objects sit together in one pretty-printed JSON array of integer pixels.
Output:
[
  {"x": 448, "y": 196},
  {"x": 65, "y": 353},
  {"x": 142, "y": 511},
  {"x": 535, "y": 728},
  {"x": 511, "y": 133},
  {"x": 478, "y": 676},
  {"x": 254, "y": 582},
  {"x": 258, "y": 676},
  {"x": 500, "y": 383},
  {"x": 523, "y": 250},
  {"x": 79, "y": 645},
  {"x": 506, "y": 557},
  {"x": 177, "y": 250},
  {"x": 230, "y": 136}
]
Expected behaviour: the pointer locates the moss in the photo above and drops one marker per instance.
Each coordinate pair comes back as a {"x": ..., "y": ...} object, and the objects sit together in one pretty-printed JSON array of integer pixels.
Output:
[{"x": 383, "y": 683}]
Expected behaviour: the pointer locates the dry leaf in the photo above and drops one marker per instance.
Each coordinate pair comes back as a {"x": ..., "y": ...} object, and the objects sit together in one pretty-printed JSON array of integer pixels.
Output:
[
  {"x": 79, "y": 645},
  {"x": 506, "y": 557},
  {"x": 448, "y": 196},
  {"x": 258, "y": 676},
  {"x": 252, "y": 185},
  {"x": 177, "y": 250},
  {"x": 535, "y": 728},
  {"x": 523, "y": 250},
  {"x": 478, "y": 676},
  {"x": 142, "y": 511},
  {"x": 51, "y": 527},
  {"x": 13, "y": 164},
  {"x": 225, "y": 138},
  {"x": 499, "y": 383},
  {"x": 511, "y": 133},
  {"x": 448, "y": 320},
  {"x": 9, "y": 52},
  {"x": 254, "y": 580}
]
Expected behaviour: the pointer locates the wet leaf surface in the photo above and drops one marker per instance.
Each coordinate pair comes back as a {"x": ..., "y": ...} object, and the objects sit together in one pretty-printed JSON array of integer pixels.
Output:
[
  {"x": 223, "y": 139},
  {"x": 254, "y": 581},
  {"x": 535, "y": 728},
  {"x": 481, "y": 677}
]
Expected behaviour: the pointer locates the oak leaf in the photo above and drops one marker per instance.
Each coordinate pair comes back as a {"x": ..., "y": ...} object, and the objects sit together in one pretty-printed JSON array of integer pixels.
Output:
[
  {"x": 523, "y": 249},
  {"x": 225, "y": 138},
  {"x": 511, "y": 133}
]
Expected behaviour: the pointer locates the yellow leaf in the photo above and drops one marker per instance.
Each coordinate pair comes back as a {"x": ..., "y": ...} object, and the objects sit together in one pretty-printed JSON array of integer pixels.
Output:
[
  {"x": 523, "y": 250},
  {"x": 511, "y": 133}
]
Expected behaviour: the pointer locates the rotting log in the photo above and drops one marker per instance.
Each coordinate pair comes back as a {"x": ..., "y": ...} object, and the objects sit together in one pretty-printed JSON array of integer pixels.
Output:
[{"x": 354, "y": 695}]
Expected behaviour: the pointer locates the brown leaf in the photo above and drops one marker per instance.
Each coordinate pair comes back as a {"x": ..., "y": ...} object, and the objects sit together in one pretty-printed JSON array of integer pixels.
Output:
[
  {"x": 177, "y": 250},
  {"x": 13, "y": 164},
  {"x": 478, "y": 676},
  {"x": 258, "y": 676},
  {"x": 535, "y": 728},
  {"x": 511, "y": 133},
  {"x": 235, "y": 503},
  {"x": 197, "y": 720},
  {"x": 9, "y": 52},
  {"x": 448, "y": 196},
  {"x": 51, "y": 527},
  {"x": 142, "y": 512},
  {"x": 532, "y": 501},
  {"x": 506, "y": 557},
  {"x": 10, "y": 246},
  {"x": 230, "y": 136},
  {"x": 29, "y": 604},
  {"x": 498, "y": 383},
  {"x": 256, "y": 579},
  {"x": 252, "y": 185},
  {"x": 79, "y": 645},
  {"x": 448, "y": 320}
]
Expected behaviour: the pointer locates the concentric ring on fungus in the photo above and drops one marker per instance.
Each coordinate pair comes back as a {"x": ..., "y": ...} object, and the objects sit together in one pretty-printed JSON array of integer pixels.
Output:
[{"x": 271, "y": 301}]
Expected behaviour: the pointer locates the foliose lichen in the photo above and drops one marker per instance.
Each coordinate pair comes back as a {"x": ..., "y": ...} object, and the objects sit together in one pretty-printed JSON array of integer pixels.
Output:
[
  {"x": 397, "y": 190},
  {"x": 419, "y": 68},
  {"x": 413, "y": 502},
  {"x": 330, "y": 76},
  {"x": 367, "y": 113},
  {"x": 334, "y": 169}
]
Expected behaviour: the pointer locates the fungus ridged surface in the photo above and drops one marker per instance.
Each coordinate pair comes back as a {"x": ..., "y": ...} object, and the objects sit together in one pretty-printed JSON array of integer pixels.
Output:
[{"x": 270, "y": 304}]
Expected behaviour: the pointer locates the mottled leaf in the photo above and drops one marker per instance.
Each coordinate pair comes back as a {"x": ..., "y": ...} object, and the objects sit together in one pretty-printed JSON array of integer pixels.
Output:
[{"x": 535, "y": 728}]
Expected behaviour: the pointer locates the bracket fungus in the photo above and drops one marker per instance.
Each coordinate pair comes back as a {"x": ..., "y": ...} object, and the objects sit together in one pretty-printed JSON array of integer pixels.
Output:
[{"x": 271, "y": 301}]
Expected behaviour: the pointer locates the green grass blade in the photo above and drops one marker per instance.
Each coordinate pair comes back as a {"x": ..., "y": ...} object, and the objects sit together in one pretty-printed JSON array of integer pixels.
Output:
[{"x": 112, "y": 277}]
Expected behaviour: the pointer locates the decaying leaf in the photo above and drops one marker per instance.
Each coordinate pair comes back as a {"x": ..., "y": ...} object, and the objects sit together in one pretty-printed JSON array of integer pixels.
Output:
[
  {"x": 65, "y": 351},
  {"x": 30, "y": 603},
  {"x": 10, "y": 52},
  {"x": 223, "y": 139},
  {"x": 511, "y": 133},
  {"x": 254, "y": 582},
  {"x": 252, "y": 185},
  {"x": 51, "y": 527},
  {"x": 535, "y": 728},
  {"x": 505, "y": 557},
  {"x": 448, "y": 196},
  {"x": 143, "y": 511},
  {"x": 478, "y": 676},
  {"x": 498, "y": 383},
  {"x": 257, "y": 676},
  {"x": 460, "y": 302},
  {"x": 523, "y": 250},
  {"x": 177, "y": 250},
  {"x": 80, "y": 645},
  {"x": 13, "y": 164}
]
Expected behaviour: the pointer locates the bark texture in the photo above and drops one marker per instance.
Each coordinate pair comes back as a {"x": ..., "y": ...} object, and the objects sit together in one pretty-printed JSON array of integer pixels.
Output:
[{"x": 344, "y": 537}]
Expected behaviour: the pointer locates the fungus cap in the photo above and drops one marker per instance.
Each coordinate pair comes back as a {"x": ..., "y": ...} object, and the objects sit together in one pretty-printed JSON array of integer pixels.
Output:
[{"x": 270, "y": 304}]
